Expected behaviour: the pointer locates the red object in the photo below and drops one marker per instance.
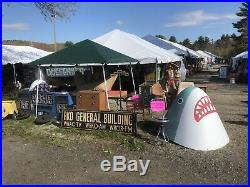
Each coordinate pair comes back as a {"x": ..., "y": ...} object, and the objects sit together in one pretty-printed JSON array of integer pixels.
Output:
[
  {"x": 170, "y": 82},
  {"x": 116, "y": 93},
  {"x": 202, "y": 108}
]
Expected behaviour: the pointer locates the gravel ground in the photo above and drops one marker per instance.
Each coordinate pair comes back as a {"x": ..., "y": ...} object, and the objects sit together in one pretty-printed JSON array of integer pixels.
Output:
[{"x": 29, "y": 161}]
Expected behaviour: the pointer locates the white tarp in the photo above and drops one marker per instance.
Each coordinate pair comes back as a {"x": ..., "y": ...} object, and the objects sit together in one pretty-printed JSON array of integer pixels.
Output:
[
  {"x": 206, "y": 56},
  {"x": 171, "y": 46},
  {"x": 135, "y": 47},
  {"x": 212, "y": 55},
  {"x": 243, "y": 55},
  {"x": 183, "y": 71},
  {"x": 21, "y": 54}
]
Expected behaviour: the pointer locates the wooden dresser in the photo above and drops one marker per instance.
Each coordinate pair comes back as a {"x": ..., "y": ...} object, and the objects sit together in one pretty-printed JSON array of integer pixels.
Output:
[{"x": 91, "y": 100}]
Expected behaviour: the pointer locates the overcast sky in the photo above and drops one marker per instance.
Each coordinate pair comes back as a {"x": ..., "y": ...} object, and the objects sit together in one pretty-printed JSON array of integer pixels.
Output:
[{"x": 183, "y": 20}]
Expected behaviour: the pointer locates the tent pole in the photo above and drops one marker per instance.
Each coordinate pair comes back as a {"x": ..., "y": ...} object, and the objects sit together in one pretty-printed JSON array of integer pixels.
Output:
[
  {"x": 132, "y": 74},
  {"x": 37, "y": 88},
  {"x": 14, "y": 68},
  {"x": 156, "y": 73},
  {"x": 105, "y": 82}
]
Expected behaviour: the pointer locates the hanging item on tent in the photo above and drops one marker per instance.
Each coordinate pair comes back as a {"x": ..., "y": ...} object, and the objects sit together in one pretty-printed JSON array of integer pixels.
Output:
[
  {"x": 194, "y": 122},
  {"x": 40, "y": 84}
]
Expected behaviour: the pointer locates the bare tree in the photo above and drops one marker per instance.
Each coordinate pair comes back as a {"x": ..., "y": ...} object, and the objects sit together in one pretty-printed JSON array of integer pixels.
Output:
[
  {"x": 51, "y": 9},
  {"x": 61, "y": 10}
]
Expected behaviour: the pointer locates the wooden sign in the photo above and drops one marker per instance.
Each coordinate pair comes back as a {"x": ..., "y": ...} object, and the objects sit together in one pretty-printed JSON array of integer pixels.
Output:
[{"x": 113, "y": 121}]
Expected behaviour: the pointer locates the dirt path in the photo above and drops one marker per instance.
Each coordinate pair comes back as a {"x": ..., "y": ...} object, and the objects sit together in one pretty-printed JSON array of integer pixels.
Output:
[{"x": 30, "y": 162}]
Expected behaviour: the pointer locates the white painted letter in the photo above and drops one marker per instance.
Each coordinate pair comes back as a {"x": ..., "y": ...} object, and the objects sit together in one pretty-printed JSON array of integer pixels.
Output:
[
  {"x": 119, "y": 165},
  {"x": 105, "y": 165},
  {"x": 132, "y": 165},
  {"x": 144, "y": 168}
]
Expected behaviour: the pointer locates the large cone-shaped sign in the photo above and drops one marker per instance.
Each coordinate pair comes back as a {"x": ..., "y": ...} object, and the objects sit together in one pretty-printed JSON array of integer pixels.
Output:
[{"x": 194, "y": 122}]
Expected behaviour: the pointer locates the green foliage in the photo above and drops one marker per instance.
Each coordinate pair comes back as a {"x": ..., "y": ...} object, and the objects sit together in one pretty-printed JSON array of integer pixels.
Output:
[
  {"x": 186, "y": 43},
  {"x": 68, "y": 44},
  {"x": 242, "y": 28},
  {"x": 161, "y": 36},
  {"x": 51, "y": 135},
  {"x": 172, "y": 39}
]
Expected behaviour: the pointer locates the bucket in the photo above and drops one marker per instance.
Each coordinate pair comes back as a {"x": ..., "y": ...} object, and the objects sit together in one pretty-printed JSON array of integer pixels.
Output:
[
  {"x": 157, "y": 105},
  {"x": 232, "y": 80}
]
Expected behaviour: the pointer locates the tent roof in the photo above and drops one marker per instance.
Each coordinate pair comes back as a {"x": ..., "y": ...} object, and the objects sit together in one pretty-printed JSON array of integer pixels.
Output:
[
  {"x": 136, "y": 47},
  {"x": 203, "y": 54},
  {"x": 21, "y": 54},
  {"x": 85, "y": 52},
  {"x": 242, "y": 55},
  {"x": 211, "y": 54},
  {"x": 168, "y": 45}
]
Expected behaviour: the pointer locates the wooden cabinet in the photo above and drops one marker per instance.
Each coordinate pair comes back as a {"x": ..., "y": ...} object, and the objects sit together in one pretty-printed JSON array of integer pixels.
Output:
[{"x": 91, "y": 100}]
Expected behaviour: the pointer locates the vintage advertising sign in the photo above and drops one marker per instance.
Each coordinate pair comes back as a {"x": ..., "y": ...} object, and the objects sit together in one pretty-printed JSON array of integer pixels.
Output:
[
  {"x": 113, "y": 121},
  {"x": 43, "y": 98},
  {"x": 63, "y": 71}
]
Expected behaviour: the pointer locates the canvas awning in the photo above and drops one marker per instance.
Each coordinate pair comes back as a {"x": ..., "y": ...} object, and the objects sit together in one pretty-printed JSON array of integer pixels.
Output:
[
  {"x": 171, "y": 46},
  {"x": 205, "y": 55},
  {"x": 21, "y": 54},
  {"x": 211, "y": 54},
  {"x": 243, "y": 55},
  {"x": 134, "y": 46},
  {"x": 86, "y": 53}
]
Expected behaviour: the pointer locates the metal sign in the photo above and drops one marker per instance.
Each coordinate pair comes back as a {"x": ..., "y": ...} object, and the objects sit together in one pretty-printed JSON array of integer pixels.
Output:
[
  {"x": 113, "y": 121},
  {"x": 43, "y": 98},
  {"x": 64, "y": 71},
  {"x": 23, "y": 104}
]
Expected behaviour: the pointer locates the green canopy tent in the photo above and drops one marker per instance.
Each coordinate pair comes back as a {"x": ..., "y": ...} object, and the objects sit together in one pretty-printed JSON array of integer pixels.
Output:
[{"x": 87, "y": 53}]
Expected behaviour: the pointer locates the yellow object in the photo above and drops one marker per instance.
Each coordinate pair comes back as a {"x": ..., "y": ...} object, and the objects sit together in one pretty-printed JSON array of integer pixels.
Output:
[{"x": 8, "y": 107}]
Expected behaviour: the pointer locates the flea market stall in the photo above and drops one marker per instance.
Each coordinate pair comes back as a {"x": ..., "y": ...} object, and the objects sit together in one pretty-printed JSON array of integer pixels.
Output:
[
  {"x": 192, "y": 59},
  {"x": 190, "y": 108}
]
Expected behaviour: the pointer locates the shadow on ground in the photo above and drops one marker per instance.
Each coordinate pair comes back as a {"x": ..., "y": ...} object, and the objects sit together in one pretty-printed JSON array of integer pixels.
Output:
[
  {"x": 246, "y": 102},
  {"x": 242, "y": 123}
]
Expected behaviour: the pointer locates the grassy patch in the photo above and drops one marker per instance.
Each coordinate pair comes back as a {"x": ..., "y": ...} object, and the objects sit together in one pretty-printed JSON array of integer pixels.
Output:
[{"x": 50, "y": 134}]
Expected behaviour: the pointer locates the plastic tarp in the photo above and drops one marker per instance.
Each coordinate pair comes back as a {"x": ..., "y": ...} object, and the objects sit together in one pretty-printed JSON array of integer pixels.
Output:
[
  {"x": 21, "y": 54},
  {"x": 135, "y": 47},
  {"x": 171, "y": 46}
]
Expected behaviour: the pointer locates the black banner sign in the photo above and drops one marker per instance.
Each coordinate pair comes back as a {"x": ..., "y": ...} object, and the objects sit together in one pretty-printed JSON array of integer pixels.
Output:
[
  {"x": 113, "y": 121},
  {"x": 64, "y": 71}
]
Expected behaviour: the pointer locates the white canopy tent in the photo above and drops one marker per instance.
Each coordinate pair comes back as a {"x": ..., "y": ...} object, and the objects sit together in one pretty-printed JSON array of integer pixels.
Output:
[
  {"x": 171, "y": 46},
  {"x": 21, "y": 54},
  {"x": 237, "y": 58},
  {"x": 12, "y": 54},
  {"x": 135, "y": 47},
  {"x": 206, "y": 56},
  {"x": 209, "y": 53},
  {"x": 243, "y": 55}
]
